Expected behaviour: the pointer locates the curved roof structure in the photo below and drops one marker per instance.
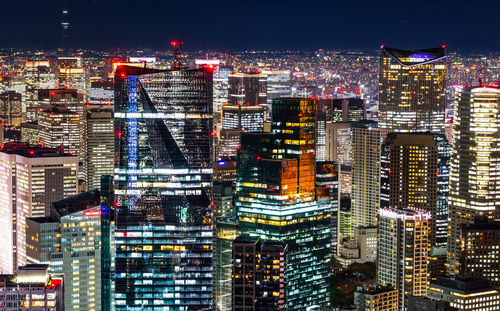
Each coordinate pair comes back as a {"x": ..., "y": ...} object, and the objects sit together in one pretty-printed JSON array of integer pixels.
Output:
[{"x": 416, "y": 57}]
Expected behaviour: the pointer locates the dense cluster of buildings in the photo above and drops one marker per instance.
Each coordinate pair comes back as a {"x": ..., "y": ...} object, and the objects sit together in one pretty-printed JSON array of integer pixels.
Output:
[{"x": 223, "y": 184}]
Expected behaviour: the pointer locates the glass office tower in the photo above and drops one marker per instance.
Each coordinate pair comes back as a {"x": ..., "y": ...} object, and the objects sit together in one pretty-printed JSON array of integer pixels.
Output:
[
  {"x": 474, "y": 178},
  {"x": 411, "y": 90},
  {"x": 163, "y": 127},
  {"x": 277, "y": 200}
]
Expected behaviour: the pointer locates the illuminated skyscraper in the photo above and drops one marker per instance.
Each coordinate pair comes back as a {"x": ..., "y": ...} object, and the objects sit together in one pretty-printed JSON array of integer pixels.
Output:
[
  {"x": 38, "y": 75},
  {"x": 415, "y": 174},
  {"x": 279, "y": 85},
  {"x": 327, "y": 177},
  {"x": 220, "y": 87},
  {"x": 100, "y": 142},
  {"x": 247, "y": 88},
  {"x": 481, "y": 252},
  {"x": 258, "y": 274},
  {"x": 367, "y": 142},
  {"x": 403, "y": 251},
  {"x": 67, "y": 98},
  {"x": 72, "y": 73},
  {"x": 11, "y": 110},
  {"x": 277, "y": 200},
  {"x": 411, "y": 90},
  {"x": 163, "y": 176},
  {"x": 475, "y": 160},
  {"x": 60, "y": 127},
  {"x": 102, "y": 93},
  {"x": 30, "y": 178},
  {"x": 246, "y": 118},
  {"x": 226, "y": 231},
  {"x": 85, "y": 244},
  {"x": 343, "y": 109}
]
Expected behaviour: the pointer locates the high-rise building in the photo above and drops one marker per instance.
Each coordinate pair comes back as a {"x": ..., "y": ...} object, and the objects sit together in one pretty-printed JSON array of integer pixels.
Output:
[
  {"x": 29, "y": 132},
  {"x": 366, "y": 238},
  {"x": 38, "y": 75},
  {"x": 31, "y": 179},
  {"x": 465, "y": 293},
  {"x": 481, "y": 251},
  {"x": 279, "y": 85},
  {"x": 343, "y": 109},
  {"x": 75, "y": 241},
  {"x": 226, "y": 231},
  {"x": 66, "y": 98},
  {"x": 43, "y": 242},
  {"x": 375, "y": 297},
  {"x": 361, "y": 248},
  {"x": 99, "y": 144},
  {"x": 258, "y": 274},
  {"x": 403, "y": 251},
  {"x": 246, "y": 118},
  {"x": 31, "y": 289},
  {"x": 276, "y": 199},
  {"x": 102, "y": 93},
  {"x": 437, "y": 263},
  {"x": 415, "y": 174},
  {"x": 474, "y": 178},
  {"x": 320, "y": 135},
  {"x": 11, "y": 110},
  {"x": 220, "y": 86},
  {"x": 339, "y": 142},
  {"x": 247, "y": 88},
  {"x": 59, "y": 127},
  {"x": 366, "y": 167},
  {"x": 228, "y": 143},
  {"x": 72, "y": 73},
  {"x": 411, "y": 89},
  {"x": 163, "y": 180},
  {"x": 327, "y": 177},
  {"x": 85, "y": 245}
]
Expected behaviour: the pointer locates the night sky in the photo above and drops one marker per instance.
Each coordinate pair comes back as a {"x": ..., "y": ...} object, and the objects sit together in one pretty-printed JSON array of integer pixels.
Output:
[{"x": 468, "y": 26}]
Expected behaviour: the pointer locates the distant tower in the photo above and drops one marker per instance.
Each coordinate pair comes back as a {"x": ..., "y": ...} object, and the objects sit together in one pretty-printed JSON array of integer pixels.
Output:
[
  {"x": 65, "y": 30},
  {"x": 176, "y": 51}
]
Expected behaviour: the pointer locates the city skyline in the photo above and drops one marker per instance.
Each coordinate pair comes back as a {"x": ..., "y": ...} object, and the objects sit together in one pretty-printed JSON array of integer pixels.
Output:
[{"x": 249, "y": 156}]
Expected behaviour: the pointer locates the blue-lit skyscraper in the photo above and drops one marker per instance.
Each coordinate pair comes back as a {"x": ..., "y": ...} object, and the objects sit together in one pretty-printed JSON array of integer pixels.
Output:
[{"x": 163, "y": 125}]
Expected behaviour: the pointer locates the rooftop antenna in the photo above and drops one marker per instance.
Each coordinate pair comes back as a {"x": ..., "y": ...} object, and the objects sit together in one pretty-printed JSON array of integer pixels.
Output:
[
  {"x": 176, "y": 47},
  {"x": 65, "y": 29}
]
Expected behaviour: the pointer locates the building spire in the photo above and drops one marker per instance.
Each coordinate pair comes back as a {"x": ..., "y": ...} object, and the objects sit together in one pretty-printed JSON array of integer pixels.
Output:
[{"x": 65, "y": 29}]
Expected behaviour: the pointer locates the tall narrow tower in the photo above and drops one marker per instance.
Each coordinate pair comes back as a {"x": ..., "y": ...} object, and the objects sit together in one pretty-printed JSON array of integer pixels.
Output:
[{"x": 65, "y": 30}]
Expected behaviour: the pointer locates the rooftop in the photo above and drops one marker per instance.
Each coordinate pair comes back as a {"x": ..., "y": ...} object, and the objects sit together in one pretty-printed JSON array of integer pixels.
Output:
[
  {"x": 28, "y": 151},
  {"x": 416, "y": 57},
  {"x": 464, "y": 283}
]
